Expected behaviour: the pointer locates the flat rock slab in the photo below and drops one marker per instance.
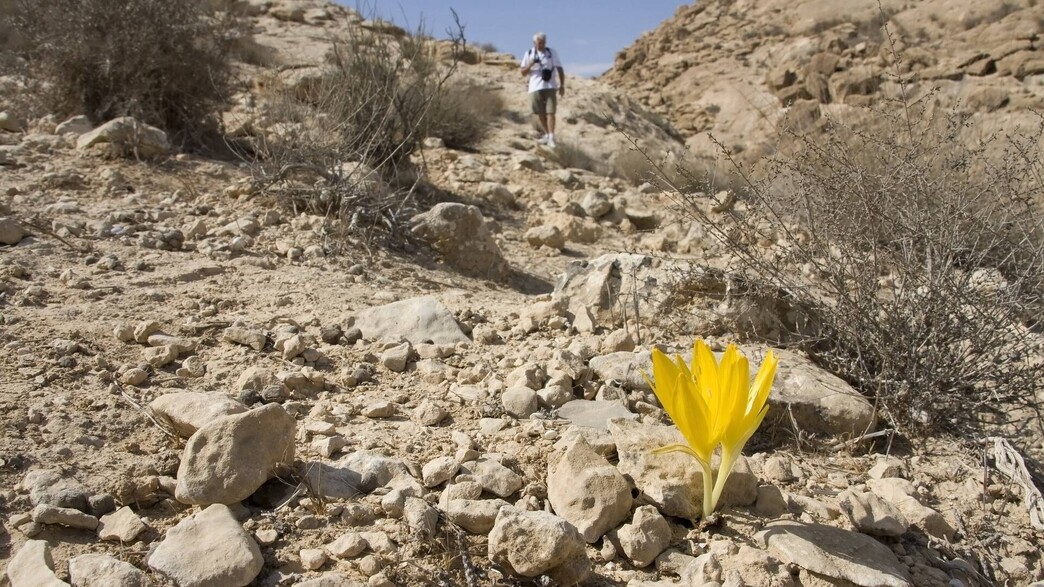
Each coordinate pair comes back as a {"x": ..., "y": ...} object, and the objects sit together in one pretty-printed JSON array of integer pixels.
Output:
[
  {"x": 102, "y": 570},
  {"x": 594, "y": 414},
  {"x": 835, "y": 553},
  {"x": 123, "y": 525},
  {"x": 208, "y": 549},
  {"x": 418, "y": 320},
  {"x": 32, "y": 566},
  {"x": 625, "y": 367}
]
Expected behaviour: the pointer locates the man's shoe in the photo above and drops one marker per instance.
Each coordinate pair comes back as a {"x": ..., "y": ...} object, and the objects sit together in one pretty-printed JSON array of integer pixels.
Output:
[
  {"x": 551, "y": 143},
  {"x": 543, "y": 139}
]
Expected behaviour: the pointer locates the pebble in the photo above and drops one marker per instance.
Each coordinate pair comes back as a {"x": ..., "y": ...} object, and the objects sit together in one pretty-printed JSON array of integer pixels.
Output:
[
  {"x": 439, "y": 470},
  {"x": 313, "y": 558},
  {"x": 379, "y": 409},
  {"x": 348, "y": 545},
  {"x": 49, "y": 514},
  {"x": 254, "y": 339},
  {"x": 329, "y": 445},
  {"x": 266, "y": 536},
  {"x": 370, "y": 565},
  {"x": 144, "y": 329},
  {"x": 396, "y": 358},
  {"x": 645, "y": 537},
  {"x": 428, "y": 413},
  {"x": 309, "y": 522},
  {"x": 122, "y": 526},
  {"x": 134, "y": 376},
  {"x": 520, "y": 401},
  {"x": 160, "y": 357},
  {"x": 192, "y": 366}
]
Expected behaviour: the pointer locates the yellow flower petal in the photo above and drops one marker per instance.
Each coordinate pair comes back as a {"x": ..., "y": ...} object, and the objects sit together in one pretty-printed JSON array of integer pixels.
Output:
[{"x": 712, "y": 404}]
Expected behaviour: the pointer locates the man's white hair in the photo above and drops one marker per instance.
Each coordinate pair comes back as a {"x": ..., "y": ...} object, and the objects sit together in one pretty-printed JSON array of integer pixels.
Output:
[{"x": 539, "y": 37}]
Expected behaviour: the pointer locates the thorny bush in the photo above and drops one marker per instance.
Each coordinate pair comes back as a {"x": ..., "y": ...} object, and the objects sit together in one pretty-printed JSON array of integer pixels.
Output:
[
  {"x": 340, "y": 143},
  {"x": 164, "y": 62},
  {"x": 916, "y": 253}
]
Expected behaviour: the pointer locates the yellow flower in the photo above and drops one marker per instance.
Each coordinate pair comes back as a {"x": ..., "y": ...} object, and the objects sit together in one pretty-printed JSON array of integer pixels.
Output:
[{"x": 712, "y": 404}]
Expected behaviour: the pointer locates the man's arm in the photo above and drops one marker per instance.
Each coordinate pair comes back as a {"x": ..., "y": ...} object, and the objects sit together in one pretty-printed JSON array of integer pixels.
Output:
[
  {"x": 561, "y": 81},
  {"x": 527, "y": 63}
]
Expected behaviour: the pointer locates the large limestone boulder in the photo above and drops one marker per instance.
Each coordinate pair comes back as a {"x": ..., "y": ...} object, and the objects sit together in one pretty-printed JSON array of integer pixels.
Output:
[
  {"x": 229, "y": 458},
  {"x": 603, "y": 286},
  {"x": 538, "y": 543},
  {"x": 127, "y": 137},
  {"x": 189, "y": 411},
  {"x": 588, "y": 491},
  {"x": 208, "y": 549},
  {"x": 820, "y": 403},
  {"x": 673, "y": 482},
  {"x": 459, "y": 233}
]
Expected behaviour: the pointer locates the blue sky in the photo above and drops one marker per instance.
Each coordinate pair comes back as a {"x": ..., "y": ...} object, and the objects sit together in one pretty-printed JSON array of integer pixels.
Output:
[{"x": 586, "y": 33}]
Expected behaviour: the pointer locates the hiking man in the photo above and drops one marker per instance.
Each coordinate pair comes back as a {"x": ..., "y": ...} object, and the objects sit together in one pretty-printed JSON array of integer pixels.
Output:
[{"x": 546, "y": 75}]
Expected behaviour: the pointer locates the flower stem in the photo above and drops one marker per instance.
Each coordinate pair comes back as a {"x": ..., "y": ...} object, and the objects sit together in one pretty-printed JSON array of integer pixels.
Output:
[
  {"x": 728, "y": 460},
  {"x": 708, "y": 489}
]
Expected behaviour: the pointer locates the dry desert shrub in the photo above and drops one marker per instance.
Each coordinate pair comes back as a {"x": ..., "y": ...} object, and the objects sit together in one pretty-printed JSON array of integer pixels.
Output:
[
  {"x": 463, "y": 113},
  {"x": 164, "y": 62},
  {"x": 340, "y": 145},
  {"x": 636, "y": 167},
  {"x": 916, "y": 252}
]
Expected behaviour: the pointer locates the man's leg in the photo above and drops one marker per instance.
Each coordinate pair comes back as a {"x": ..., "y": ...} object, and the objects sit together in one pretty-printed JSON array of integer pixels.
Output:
[
  {"x": 552, "y": 107},
  {"x": 547, "y": 123}
]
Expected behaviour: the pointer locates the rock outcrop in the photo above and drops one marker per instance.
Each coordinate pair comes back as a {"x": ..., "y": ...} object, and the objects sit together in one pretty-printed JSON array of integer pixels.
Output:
[{"x": 742, "y": 71}]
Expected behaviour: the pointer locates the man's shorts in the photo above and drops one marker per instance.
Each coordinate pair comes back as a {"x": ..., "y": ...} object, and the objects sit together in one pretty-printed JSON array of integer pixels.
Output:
[{"x": 544, "y": 101}]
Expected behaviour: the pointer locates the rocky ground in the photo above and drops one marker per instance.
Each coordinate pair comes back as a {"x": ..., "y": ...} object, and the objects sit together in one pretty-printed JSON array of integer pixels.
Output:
[{"x": 198, "y": 388}]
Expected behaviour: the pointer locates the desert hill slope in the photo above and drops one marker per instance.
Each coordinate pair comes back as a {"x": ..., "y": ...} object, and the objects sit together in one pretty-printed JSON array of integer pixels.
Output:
[{"x": 741, "y": 70}]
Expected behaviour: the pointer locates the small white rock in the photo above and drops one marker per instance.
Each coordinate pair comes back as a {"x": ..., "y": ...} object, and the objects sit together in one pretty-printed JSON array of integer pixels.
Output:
[
  {"x": 313, "y": 558},
  {"x": 349, "y": 545},
  {"x": 439, "y": 470}
]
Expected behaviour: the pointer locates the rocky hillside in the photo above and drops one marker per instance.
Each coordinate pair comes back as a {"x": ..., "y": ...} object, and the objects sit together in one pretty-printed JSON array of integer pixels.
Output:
[
  {"x": 199, "y": 388},
  {"x": 743, "y": 69}
]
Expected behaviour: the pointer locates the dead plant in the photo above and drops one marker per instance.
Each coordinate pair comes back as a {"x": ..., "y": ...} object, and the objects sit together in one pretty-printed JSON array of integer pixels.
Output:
[
  {"x": 917, "y": 252},
  {"x": 339, "y": 143}
]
